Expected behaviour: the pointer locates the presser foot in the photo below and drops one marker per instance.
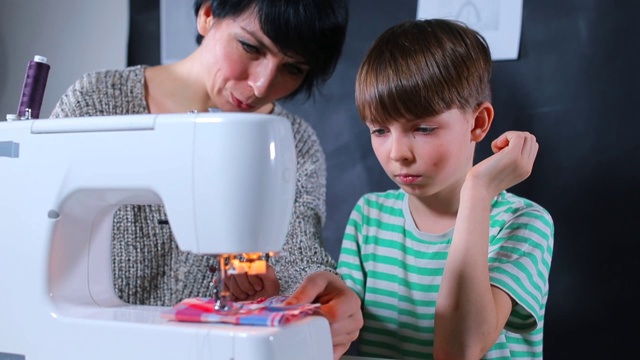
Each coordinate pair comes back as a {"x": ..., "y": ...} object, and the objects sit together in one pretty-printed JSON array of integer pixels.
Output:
[
  {"x": 249, "y": 263},
  {"x": 216, "y": 287}
]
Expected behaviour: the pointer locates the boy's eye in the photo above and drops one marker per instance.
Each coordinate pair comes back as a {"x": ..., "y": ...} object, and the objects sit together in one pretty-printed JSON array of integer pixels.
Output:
[
  {"x": 378, "y": 131},
  {"x": 425, "y": 129}
]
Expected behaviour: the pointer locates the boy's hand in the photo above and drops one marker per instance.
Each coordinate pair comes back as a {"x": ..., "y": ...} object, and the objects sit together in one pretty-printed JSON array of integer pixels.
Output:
[{"x": 511, "y": 163}]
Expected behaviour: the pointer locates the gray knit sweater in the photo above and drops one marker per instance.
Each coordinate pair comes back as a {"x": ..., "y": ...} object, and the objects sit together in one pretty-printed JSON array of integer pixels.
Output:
[{"x": 148, "y": 267}]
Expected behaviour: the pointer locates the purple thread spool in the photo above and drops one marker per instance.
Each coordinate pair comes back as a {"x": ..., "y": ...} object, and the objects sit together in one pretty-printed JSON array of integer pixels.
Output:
[{"x": 35, "y": 82}]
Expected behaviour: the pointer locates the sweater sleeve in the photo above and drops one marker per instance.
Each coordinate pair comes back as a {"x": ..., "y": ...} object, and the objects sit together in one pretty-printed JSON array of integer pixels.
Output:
[
  {"x": 106, "y": 92},
  {"x": 304, "y": 250},
  {"x": 69, "y": 105}
]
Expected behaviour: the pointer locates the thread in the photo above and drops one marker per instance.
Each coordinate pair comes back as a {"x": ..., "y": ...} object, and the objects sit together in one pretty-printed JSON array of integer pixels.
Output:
[{"x": 35, "y": 82}]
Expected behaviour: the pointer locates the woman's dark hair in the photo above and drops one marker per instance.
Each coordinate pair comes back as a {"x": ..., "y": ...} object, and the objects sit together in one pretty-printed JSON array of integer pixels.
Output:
[{"x": 312, "y": 29}]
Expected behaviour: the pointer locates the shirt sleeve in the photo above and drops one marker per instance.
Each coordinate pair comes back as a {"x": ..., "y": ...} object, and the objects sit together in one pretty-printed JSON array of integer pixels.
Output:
[
  {"x": 519, "y": 264},
  {"x": 350, "y": 265}
]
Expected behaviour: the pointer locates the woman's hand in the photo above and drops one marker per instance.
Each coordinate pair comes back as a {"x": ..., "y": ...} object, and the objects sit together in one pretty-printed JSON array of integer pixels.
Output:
[
  {"x": 340, "y": 305},
  {"x": 244, "y": 287}
]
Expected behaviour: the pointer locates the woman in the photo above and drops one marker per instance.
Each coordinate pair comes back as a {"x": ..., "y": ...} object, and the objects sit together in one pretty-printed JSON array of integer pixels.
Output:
[{"x": 251, "y": 54}]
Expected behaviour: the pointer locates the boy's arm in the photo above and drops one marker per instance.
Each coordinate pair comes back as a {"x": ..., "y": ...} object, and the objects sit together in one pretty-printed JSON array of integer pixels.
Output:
[{"x": 470, "y": 313}]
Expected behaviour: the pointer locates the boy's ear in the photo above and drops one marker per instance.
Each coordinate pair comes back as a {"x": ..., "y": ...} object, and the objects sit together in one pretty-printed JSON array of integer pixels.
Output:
[
  {"x": 482, "y": 119},
  {"x": 205, "y": 18}
]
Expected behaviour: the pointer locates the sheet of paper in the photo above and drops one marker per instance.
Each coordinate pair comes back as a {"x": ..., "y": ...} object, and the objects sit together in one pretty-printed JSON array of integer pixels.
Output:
[{"x": 499, "y": 21}]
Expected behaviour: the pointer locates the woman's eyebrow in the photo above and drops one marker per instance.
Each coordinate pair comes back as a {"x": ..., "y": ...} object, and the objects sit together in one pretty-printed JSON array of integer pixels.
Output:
[
  {"x": 272, "y": 48},
  {"x": 256, "y": 37}
]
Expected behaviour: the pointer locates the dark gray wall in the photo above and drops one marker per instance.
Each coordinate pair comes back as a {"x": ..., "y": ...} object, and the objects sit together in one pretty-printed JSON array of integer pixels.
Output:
[{"x": 575, "y": 86}]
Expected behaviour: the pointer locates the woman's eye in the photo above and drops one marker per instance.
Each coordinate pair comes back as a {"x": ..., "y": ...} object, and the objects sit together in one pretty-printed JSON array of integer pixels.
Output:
[
  {"x": 249, "y": 48},
  {"x": 378, "y": 132},
  {"x": 296, "y": 70}
]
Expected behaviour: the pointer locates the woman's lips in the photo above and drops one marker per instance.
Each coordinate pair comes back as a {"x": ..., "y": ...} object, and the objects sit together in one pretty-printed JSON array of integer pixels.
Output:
[{"x": 239, "y": 104}]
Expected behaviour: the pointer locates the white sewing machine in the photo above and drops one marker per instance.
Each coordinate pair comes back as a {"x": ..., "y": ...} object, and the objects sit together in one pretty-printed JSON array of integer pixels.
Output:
[{"x": 227, "y": 182}]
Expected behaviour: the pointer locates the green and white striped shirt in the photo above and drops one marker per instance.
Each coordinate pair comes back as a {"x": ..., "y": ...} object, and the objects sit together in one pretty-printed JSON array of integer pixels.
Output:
[{"x": 396, "y": 271}]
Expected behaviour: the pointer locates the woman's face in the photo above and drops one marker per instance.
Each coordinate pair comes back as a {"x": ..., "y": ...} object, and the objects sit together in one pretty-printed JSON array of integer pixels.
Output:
[{"x": 242, "y": 69}]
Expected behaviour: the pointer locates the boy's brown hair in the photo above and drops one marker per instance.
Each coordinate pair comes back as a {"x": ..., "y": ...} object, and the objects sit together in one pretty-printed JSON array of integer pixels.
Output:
[{"x": 422, "y": 68}]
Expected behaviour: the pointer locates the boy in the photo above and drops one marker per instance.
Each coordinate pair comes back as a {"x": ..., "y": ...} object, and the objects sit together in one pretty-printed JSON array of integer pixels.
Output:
[{"x": 450, "y": 265}]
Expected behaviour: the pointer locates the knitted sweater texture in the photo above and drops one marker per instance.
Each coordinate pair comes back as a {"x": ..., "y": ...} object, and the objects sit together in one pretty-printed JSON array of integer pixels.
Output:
[{"x": 148, "y": 266}]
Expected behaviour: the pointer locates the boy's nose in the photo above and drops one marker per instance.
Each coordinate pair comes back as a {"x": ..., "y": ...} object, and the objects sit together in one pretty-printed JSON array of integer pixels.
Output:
[{"x": 401, "y": 148}]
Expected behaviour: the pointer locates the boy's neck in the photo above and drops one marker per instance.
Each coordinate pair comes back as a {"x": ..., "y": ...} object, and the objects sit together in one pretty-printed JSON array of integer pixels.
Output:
[{"x": 435, "y": 214}]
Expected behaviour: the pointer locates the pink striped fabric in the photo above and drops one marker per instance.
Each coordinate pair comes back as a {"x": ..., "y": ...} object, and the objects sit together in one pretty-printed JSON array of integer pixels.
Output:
[{"x": 264, "y": 311}]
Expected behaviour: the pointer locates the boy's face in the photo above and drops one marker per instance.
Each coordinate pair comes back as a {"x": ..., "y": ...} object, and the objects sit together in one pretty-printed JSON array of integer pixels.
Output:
[{"x": 428, "y": 156}]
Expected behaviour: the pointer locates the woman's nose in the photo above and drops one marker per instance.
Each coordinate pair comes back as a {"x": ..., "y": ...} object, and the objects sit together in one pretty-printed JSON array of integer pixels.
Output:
[{"x": 262, "y": 77}]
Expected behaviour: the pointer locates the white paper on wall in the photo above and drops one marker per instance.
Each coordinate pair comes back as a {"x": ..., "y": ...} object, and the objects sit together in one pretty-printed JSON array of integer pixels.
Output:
[{"x": 499, "y": 21}]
